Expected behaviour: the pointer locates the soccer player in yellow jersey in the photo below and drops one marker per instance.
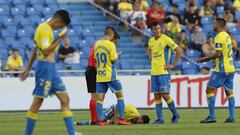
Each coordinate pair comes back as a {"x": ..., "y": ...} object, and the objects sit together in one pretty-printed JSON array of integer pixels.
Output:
[
  {"x": 223, "y": 73},
  {"x": 105, "y": 56},
  {"x": 110, "y": 115},
  {"x": 160, "y": 48},
  {"x": 48, "y": 81}
]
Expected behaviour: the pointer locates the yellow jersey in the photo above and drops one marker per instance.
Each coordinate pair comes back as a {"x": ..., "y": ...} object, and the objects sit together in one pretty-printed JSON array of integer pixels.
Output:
[
  {"x": 15, "y": 63},
  {"x": 104, "y": 53},
  {"x": 174, "y": 28},
  {"x": 223, "y": 43},
  {"x": 130, "y": 112},
  {"x": 161, "y": 50},
  {"x": 127, "y": 7},
  {"x": 44, "y": 38}
]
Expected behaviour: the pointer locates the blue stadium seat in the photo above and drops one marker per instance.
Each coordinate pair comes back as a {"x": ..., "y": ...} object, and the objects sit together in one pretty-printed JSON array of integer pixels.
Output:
[
  {"x": 18, "y": 44},
  {"x": 19, "y": 2},
  {"x": 90, "y": 39},
  {"x": 192, "y": 54},
  {"x": 26, "y": 21},
  {"x": 38, "y": 7},
  {"x": 32, "y": 11},
  {"x": 12, "y": 29},
  {"x": 189, "y": 68},
  {"x": 3, "y": 53},
  {"x": 18, "y": 18},
  {"x": 51, "y": 2},
  {"x": 206, "y": 64},
  {"x": 78, "y": 29},
  {"x": 8, "y": 41},
  {"x": 47, "y": 11},
  {"x": 22, "y": 52},
  {"x": 7, "y": 33},
  {"x": 37, "y": 2},
  {"x": 237, "y": 15},
  {"x": 74, "y": 39},
  {"x": 60, "y": 66},
  {"x": 178, "y": 1},
  {"x": 28, "y": 42},
  {"x": 9, "y": 21},
  {"x": 77, "y": 67},
  {"x": 206, "y": 21},
  {"x": 23, "y": 33},
  {"x": 35, "y": 19},
  {"x": 237, "y": 64},
  {"x": 53, "y": 7},
  {"x": 88, "y": 32},
  {"x": 5, "y": 2},
  {"x": 4, "y": 10},
  {"x": 18, "y": 11},
  {"x": 220, "y": 10},
  {"x": 72, "y": 32},
  {"x": 29, "y": 29}
]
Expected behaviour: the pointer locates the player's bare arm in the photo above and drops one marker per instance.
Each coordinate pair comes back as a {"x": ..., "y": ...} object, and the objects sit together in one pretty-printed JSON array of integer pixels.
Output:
[
  {"x": 217, "y": 54},
  {"x": 28, "y": 69},
  {"x": 149, "y": 54},
  {"x": 179, "y": 52}
]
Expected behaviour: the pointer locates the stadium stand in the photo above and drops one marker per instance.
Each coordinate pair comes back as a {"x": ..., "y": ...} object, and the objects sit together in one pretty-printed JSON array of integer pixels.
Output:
[{"x": 20, "y": 18}]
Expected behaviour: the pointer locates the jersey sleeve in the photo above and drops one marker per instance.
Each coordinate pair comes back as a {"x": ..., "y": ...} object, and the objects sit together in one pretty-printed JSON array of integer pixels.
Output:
[
  {"x": 218, "y": 43},
  {"x": 171, "y": 43},
  {"x": 42, "y": 38},
  {"x": 113, "y": 53}
]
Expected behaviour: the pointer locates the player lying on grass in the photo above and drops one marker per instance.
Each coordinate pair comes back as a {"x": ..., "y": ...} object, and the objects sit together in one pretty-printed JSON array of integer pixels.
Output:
[{"x": 110, "y": 116}]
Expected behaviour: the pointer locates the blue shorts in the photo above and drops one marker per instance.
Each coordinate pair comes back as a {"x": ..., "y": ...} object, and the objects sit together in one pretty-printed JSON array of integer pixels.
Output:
[
  {"x": 160, "y": 83},
  {"x": 218, "y": 79},
  {"x": 48, "y": 81},
  {"x": 108, "y": 114},
  {"x": 114, "y": 86}
]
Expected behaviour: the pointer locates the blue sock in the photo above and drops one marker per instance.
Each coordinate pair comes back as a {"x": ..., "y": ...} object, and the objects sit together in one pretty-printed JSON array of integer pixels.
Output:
[
  {"x": 68, "y": 119},
  {"x": 231, "y": 106},
  {"x": 211, "y": 105},
  {"x": 172, "y": 107},
  {"x": 158, "y": 104},
  {"x": 121, "y": 107},
  {"x": 30, "y": 123},
  {"x": 99, "y": 107}
]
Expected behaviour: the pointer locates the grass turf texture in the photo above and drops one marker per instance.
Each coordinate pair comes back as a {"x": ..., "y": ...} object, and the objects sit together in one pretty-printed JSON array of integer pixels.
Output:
[{"x": 51, "y": 123}]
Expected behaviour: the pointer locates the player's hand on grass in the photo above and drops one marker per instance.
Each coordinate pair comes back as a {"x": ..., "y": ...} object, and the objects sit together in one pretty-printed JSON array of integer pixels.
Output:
[
  {"x": 200, "y": 60},
  {"x": 170, "y": 66},
  {"x": 24, "y": 75}
]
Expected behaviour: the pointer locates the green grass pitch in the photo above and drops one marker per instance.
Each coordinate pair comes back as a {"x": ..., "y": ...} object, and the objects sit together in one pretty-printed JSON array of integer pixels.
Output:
[{"x": 50, "y": 123}]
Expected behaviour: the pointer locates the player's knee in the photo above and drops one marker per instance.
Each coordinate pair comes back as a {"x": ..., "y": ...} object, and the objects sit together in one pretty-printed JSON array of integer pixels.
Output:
[
  {"x": 65, "y": 101},
  {"x": 209, "y": 90},
  {"x": 165, "y": 96},
  {"x": 119, "y": 94}
]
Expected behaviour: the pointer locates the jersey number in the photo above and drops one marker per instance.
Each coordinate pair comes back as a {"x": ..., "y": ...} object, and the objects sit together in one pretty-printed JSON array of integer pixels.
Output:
[
  {"x": 230, "y": 51},
  {"x": 101, "y": 58}
]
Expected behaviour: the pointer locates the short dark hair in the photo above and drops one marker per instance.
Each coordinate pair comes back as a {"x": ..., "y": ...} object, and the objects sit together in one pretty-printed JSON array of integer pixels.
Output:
[
  {"x": 15, "y": 50},
  {"x": 154, "y": 24},
  {"x": 108, "y": 30},
  {"x": 116, "y": 35},
  {"x": 221, "y": 21},
  {"x": 175, "y": 5},
  {"x": 64, "y": 15},
  {"x": 146, "y": 119}
]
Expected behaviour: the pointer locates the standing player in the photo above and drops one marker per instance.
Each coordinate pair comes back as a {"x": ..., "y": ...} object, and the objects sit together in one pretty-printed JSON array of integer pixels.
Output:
[
  {"x": 223, "y": 73},
  {"x": 48, "y": 81},
  {"x": 105, "y": 56},
  {"x": 90, "y": 75},
  {"x": 160, "y": 47}
]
